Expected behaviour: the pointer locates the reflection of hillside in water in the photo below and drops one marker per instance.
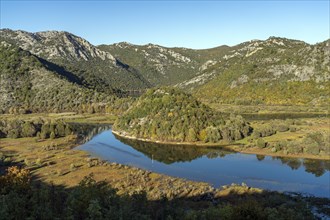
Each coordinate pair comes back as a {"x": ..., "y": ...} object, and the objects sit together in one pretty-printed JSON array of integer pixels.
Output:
[
  {"x": 167, "y": 153},
  {"x": 184, "y": 153},
  {"x": 86, "y": 132},
  {"x": 316, "y": 167}
]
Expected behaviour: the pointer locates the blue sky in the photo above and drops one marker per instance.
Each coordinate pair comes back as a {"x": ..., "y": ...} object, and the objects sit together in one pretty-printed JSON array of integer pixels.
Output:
[{"x": 192, "y": 24}]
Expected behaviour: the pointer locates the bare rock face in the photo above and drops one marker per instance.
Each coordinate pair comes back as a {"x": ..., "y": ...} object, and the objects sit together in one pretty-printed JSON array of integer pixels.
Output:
[{"x": 56, "y": 45}]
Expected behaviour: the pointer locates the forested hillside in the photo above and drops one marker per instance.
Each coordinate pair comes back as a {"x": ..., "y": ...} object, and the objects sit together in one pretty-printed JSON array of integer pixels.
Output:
[
  {"x": 29, "y": 84},
  {"x": 95, "y": 68},
  {"x": 168, "y": 114}
]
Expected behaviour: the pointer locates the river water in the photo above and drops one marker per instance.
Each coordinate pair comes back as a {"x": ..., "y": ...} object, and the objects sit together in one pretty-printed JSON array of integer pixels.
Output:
[{"x": 215, "y": 165}]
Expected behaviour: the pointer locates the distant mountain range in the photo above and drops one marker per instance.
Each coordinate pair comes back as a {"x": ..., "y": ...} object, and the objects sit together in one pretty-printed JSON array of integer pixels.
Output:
[{"x": 274, "y": 71}]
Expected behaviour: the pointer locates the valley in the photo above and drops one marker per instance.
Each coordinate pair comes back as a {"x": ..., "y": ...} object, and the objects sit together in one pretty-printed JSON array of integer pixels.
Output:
[{"x": 162, "y": 116}]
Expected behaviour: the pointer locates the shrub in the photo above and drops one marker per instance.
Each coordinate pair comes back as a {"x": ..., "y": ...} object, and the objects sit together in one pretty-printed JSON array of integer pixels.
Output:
[
  {"x": 52, "y": 135},
  {"x": 263, "y": 131},
  {"x": 261, "y": 143},
  {"x": 39, "y": 162},
  {"x": 281, "y": 127},
  {"x": 28, "y": 130},
  {"x": 72, "y": 167},
  {"x": 13, "y": 134},
  {"x": 27, "y": 162},
  {"x": 294, "y": 147}
]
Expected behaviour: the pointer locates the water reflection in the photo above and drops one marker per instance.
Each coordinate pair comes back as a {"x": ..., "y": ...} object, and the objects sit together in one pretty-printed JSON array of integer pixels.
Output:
[
  {"x": 316, "y": 167},
  {"x": 169, "y": 154},
  {"x": 86, "y": 132}
]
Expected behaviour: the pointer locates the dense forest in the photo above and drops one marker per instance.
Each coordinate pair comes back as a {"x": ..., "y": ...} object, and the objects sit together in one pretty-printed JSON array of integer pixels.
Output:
[{"x": 169, "y": 114}]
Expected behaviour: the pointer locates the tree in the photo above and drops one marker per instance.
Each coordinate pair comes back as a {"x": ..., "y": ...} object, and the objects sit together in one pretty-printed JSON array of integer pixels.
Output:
[
  {"x": 45, "y": 131},
  {"x": 28, "y": 130},
  {"x": 260, "y": 143},
  {"x": 213, "y": 134},
  {"x": 192, "y": 135}
]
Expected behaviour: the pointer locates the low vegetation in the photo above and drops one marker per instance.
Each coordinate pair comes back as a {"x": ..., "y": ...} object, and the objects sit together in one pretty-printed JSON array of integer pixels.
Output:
[
  {"x": 292, "y": 137},
  {"x": 24, "y": 198}
]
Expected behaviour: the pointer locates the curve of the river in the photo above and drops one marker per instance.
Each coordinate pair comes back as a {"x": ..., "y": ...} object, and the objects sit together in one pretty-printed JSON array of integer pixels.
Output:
[{"x": 214, "y": 165}]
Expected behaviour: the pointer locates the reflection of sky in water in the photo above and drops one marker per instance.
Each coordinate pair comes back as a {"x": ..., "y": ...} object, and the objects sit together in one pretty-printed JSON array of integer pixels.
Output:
[{"x": 269, "y": 173}]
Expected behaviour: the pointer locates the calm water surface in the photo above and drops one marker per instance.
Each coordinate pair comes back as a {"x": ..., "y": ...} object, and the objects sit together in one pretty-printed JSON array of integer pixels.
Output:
[{"x": 215, "y": 165}]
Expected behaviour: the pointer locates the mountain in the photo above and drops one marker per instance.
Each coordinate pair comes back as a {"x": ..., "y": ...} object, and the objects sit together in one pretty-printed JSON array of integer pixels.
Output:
[
  {"x": 168, "y": 114},
  {"x": 159, "y": 65},
  {"x": 30, "y": 84},
  {"x": 275, "y": 71},
  {"x": 97, "y": 69},
  {"x": 163, "y": 66}
]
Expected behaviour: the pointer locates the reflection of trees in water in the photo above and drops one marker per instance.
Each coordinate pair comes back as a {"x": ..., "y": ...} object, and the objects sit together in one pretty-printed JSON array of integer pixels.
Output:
[
  {"x": 86, "y": 132},
  {"x": 168, "y": 154},
  {"x": 316, "y": 167},
  {"x": 260, "y": 157}
]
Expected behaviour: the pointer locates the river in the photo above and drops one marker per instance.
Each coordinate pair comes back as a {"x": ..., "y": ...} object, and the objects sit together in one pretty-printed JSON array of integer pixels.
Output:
[{"x": 215, "y": 165}]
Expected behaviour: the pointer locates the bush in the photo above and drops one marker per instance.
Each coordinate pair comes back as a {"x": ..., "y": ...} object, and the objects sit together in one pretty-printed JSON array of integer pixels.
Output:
[
  {"x": 13, "y": 134},
  {"x": 294, "y": 148},
  {"x": 52, "y": 135},
  {"x": 73, "y": 167},
  {"x": 261, "y": 143},
  {"x": 263, "y": 131},
  {"x": 39, "y": 162},
  {"x": 281, "y": 127},
  {"x": 293, "y": 129},
  {"x": 28, "y": 130}
]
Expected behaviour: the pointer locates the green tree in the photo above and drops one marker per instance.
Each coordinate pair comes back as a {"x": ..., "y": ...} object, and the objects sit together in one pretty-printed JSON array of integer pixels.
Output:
[
  {"x": 28, "y": 130},
  {"x": 261, "y": 143},
  {"x": 192, "y": 135}
]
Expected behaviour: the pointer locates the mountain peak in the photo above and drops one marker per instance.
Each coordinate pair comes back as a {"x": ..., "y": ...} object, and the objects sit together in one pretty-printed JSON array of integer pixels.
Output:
[{"x": 55, "y": 45}]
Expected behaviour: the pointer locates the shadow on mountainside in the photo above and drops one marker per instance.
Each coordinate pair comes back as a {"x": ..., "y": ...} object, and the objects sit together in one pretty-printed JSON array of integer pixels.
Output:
[{"x": 61, "y": 71}]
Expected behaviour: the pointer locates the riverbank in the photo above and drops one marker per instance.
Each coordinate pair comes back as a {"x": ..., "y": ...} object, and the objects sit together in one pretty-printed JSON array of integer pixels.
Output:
[
  {"x": 54, "y": 161},
  {"x": 236, "y": 147}
]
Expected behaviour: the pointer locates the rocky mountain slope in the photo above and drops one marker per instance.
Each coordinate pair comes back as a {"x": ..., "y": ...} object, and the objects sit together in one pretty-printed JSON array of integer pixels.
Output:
[
  {"x": 28, "y": 83},
  {"x": 275, "y": 71},
  {"x": 160, "y": 65},
  {"x": 96, "y": 68},
  {"x": 163, "y": 65}
]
